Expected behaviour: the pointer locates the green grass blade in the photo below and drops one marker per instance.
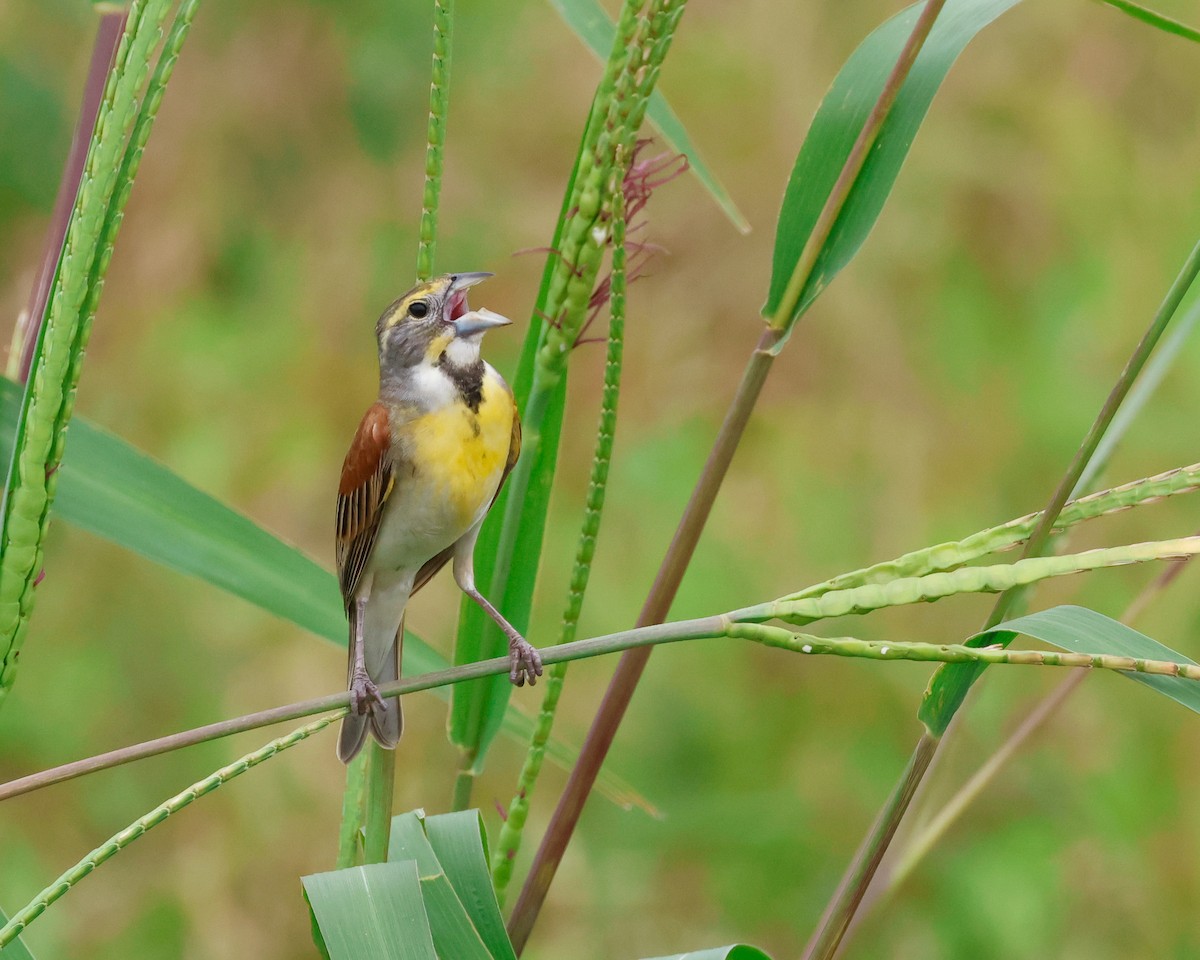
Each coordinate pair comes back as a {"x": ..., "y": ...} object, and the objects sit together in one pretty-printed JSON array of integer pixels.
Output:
[
  {"x": 461, "y": 847},
  {"x": 589, "y": 21},
  {"x": 1070, "y": 628},
  {"x": 16, "y": 949},
  {"x": 31, "y": 482},
  {"x": 736, "y": 952},
  {"x": 1155, "y": 19},
  {"x": 372, "y": 912},
  {"x": 454, "y": 933},
  {"x": 836, "y": 125}
]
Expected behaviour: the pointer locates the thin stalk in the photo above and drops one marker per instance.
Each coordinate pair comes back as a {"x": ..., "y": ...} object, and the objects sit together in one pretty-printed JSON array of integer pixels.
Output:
[
  {"x": 119, "y": 841},
  {"x": 840, "y": 909},
  {"x": 509, "y": 842},
  {"x": 104, "y": 51},
  {"x": 666, "y": 584},
  {"x": 381, "y": 780},
  {"x": 354, "y": 800},
  {"x": 464, "y": 781},
  {"x": 439, "y": 106},
  {"x": 854, "y": 883},
  {"x": 703, "y": 628}
]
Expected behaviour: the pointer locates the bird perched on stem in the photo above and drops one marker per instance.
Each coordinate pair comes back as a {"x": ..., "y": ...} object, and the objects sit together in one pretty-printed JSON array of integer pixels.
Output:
[{"x": 422, "y": 471}]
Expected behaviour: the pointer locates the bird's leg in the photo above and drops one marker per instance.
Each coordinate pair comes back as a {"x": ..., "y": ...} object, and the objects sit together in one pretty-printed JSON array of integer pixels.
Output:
[
  {"x": 364, "y": 695},
  {"x": 525, "y": 663}
]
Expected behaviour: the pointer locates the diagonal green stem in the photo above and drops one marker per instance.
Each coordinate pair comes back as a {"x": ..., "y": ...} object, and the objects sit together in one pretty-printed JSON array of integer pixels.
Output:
[
  {"x": 679, "y": 553},
  {"x": 119, "y": 841}
]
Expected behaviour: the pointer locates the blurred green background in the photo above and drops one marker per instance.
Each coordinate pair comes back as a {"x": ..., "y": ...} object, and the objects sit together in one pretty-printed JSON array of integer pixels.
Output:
[{"x": 940, "y": 385}]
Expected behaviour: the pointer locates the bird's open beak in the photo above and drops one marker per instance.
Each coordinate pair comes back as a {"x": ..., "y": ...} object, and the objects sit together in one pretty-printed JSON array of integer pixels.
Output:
[
  {"x": 478, "y": 321},
  {"x": 456, "y": 299}
]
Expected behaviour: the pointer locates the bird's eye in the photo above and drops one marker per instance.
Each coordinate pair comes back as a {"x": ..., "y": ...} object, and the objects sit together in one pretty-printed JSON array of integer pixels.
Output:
[{"x": 418, "y": 309}]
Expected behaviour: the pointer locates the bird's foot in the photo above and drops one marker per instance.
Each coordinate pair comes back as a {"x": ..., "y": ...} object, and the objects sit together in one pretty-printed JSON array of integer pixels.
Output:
[
  {"x": 364, "y": 695},
  {"x": 525, "y": 662}
]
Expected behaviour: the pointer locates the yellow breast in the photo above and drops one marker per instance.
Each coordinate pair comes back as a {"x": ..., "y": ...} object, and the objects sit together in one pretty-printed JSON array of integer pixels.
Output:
[{"x": 462, "y": 453}]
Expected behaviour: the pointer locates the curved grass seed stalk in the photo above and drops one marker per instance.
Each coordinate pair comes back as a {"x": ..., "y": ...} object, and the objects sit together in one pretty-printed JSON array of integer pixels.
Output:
[
  {"x": 509, "y": 842},
  {"x": 953, "y": 652},
  {"x": 439, "y": 107},
  {"x": 119, "y": 841},
  {"x": 49, "y": 394},
  {"x": 572, "y": 269},
  {"x": 948, "y": 556},
  {"x": 936, "y": 586}
]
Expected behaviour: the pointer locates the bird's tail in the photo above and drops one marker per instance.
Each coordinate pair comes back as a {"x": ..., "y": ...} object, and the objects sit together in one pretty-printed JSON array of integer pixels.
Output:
[{"x": 384, "y": 723}]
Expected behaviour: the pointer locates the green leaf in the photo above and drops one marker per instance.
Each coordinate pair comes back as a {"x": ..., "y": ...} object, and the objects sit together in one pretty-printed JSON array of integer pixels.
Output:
[
  {"x": 589, "y": 21},
  {"x": 736, "y": 952},
  {"x": 16, "y": 950},
  {"x": 461, "y": 846},
  {"x": 373, "y": 912},
  {"x": 1146, "y": 15},
  {"x": 454, "y": 935},
  {"x": 1070, "y": 628},
  {"x": 836, "y": 126}
]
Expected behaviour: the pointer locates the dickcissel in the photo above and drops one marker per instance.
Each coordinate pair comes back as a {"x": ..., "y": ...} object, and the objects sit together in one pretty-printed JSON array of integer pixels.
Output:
[{"x": 423, "y": 469}]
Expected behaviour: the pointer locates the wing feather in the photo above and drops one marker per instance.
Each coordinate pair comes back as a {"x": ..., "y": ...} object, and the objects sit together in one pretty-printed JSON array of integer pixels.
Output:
[{"x": 367, "y": 480}]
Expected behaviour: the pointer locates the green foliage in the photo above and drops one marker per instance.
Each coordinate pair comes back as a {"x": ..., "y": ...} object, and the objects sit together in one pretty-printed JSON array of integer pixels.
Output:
[
  {"x": 1076, "y": 629},
  {"x": 996, "y": 578},
  {"x": 434, "y": 894},
  {"x": 592, "y": 25},
  {"x": 1155, "y": 19},
  {"x": 16, "y": 949},
  {"x": 835, "y": 128},
  {"x": 374, "y": 910}
]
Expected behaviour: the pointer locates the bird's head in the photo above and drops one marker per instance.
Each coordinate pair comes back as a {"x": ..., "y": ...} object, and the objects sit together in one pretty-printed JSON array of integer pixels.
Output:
[{"x": 432, "y": 321}]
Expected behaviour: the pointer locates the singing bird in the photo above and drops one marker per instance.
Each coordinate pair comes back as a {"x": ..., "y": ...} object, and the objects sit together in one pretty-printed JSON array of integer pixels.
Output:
[{"x": 422, "y": 471}]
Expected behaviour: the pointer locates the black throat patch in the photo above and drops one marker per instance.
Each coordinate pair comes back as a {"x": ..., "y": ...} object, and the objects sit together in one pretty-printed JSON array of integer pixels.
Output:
[{"x": 468, "y": 380}]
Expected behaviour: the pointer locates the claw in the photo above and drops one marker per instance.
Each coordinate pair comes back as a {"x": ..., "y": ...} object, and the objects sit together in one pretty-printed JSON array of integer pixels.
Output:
[
  {"x": 526, "y": 663},
  {"x": 364, "y": 695}
]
